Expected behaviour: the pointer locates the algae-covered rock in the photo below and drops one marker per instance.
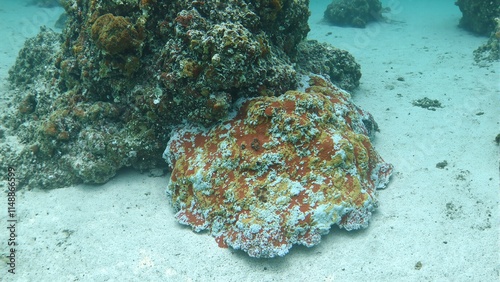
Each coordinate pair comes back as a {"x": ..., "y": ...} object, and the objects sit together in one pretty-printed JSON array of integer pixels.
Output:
[
  {"x": 482, "y": 17},
  {"x": 355, "y": 13},
  {"x": 34, "y": 58},
  {"x": 115, "y": 35},
  {"x": 325, "y": 59},
  {"x": 479, "y": 16},
  {"x": 280, "y": 172},
  {"x": 490, "y": 51}
]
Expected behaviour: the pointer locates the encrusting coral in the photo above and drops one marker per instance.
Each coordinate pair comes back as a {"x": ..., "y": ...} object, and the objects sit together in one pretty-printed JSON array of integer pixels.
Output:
[
  {"x": 280, "y": 172},
  {"x": 115, "y": 34}
]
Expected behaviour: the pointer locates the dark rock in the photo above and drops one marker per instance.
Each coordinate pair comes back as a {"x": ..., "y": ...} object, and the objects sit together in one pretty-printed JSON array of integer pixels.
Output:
[
  {"x": 478, "y": 15},
  {"x": 356, "y": 13}
]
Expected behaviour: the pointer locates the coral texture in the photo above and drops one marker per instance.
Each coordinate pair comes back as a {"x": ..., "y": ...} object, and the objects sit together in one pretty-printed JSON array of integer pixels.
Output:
[
  {"x": 324, "y": 59},
  {"x": 280, "y": 172},
  {"x": 356, "y": 13}
]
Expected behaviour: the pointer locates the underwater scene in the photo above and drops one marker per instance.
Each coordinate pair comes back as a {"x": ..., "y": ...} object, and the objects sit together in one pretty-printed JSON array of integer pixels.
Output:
[{"x": 250, "y": 140}]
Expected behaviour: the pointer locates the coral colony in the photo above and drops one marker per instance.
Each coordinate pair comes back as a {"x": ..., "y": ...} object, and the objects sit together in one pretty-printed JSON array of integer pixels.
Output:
[{"x": 280, "y": 172}]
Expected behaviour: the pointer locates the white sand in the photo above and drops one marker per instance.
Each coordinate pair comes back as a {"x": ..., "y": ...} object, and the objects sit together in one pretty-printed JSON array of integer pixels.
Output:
[{"x": 446, "y": 219}]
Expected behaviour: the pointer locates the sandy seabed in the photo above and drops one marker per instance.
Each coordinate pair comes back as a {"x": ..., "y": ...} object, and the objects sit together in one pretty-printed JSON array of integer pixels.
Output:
[{"x": 432, "y": 224}]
